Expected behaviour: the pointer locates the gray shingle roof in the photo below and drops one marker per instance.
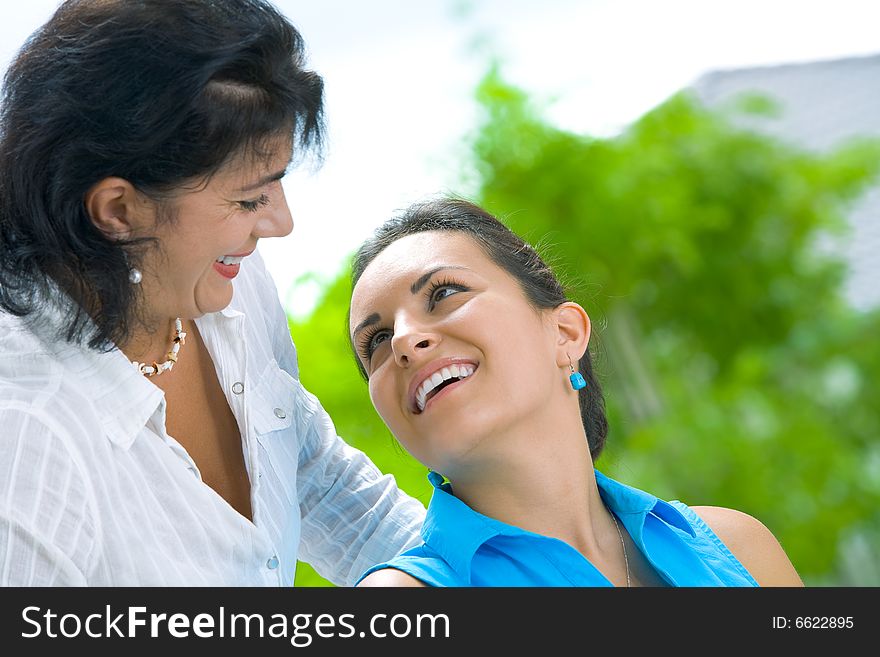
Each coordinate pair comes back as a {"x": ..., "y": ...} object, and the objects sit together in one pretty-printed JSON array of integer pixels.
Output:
[{"x": 821, "y": 105}]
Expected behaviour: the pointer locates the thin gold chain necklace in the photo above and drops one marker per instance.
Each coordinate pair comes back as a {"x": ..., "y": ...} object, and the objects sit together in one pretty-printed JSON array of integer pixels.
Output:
[{"x": 623, "y": 545}]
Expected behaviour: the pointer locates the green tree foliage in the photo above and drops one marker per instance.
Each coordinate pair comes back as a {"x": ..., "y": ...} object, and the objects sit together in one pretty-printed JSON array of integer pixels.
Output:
[{"x": 734, "y": 371}]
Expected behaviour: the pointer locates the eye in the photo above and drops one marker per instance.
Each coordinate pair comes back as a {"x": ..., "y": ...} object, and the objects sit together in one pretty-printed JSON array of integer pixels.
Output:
[
  {"x": 256, "y": 204},
  {"x": 371, "y": 340},
  {"x": 442, "y": 293},
  {"x": 442, "y": 290}
]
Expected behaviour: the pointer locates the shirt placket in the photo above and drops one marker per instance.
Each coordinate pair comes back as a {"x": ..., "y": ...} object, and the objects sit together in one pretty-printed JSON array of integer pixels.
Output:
[{"x": 235, "y": 378}]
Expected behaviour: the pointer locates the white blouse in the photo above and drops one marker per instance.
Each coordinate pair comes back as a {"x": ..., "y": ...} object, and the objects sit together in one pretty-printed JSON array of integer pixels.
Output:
[{"x": 94, "y": 492}]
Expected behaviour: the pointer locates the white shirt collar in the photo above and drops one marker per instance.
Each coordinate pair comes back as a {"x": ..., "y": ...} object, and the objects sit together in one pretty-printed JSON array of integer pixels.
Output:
[{"x": 109, "y": 379}]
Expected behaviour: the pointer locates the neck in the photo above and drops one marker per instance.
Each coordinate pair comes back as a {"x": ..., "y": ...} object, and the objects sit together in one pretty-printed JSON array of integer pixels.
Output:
[
  {"x": 544, "y": 482},
  {"x": 151, "y": 343},
  {"x": 538, "y": 480}
]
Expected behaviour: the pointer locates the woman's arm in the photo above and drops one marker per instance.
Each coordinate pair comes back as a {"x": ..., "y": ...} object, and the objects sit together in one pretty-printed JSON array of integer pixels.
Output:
[
  {"x": 353, "y": 516},
  {"x": 753, "y": 544},
  {"x": 47, "y": 529},
  {"x": 390, "y": 577}
]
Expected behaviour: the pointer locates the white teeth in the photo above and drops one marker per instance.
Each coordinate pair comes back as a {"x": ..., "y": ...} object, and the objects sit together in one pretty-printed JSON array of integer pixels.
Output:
[
  {"x": 230, "y": 260},
  {"x": 452, "y": 372}
]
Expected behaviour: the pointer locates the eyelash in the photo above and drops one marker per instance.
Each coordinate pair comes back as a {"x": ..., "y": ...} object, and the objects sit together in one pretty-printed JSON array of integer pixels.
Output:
[
  {"x": 256, "y": 204},
  {"x": 442, "y": 284},
  {"x": 366, "y": 340}
]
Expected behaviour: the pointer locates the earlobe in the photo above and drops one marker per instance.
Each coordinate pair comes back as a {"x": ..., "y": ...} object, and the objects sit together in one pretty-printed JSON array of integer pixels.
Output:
[
  {"x": 573, "y": 326},
  {"x": 110, "y": 204}
]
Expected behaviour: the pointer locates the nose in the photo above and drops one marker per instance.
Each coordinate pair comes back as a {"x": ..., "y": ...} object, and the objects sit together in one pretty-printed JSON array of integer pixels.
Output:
[
  {"x": 411, "y": 342},
  {"x": 275, "y": 219}
]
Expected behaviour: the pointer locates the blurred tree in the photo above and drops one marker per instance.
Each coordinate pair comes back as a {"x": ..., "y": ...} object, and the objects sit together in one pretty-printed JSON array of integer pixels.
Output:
[{"x": 735, "y": 373}]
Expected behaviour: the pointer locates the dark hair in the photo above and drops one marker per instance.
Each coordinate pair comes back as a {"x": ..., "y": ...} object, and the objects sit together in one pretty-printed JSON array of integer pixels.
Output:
[
  {"x": 158, "y": 92},
  {"x": 510, "y": 252}
]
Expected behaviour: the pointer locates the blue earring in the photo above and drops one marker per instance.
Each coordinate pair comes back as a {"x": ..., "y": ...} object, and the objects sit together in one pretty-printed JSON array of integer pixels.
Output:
[{"x": 576, "y": 378}]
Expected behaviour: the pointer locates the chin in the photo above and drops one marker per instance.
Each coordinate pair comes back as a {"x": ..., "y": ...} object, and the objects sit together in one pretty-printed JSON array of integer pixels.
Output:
[{"x": 213, "y": 303}]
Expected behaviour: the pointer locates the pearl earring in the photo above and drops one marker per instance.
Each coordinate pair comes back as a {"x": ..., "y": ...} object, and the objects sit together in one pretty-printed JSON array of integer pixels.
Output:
[{"x": 134, "y": 275}]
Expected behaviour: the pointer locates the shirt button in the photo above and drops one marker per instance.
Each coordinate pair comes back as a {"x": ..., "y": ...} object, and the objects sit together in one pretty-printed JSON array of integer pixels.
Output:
[
  {"x": 238, "y": 387},
  {"x": 280, "y": 414},
  {"x": 272, "y": 564}
]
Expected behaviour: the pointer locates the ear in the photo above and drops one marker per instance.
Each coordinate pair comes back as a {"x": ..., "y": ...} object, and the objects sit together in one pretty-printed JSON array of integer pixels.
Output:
[
  {"x": 573, "y": 333},
  {"x": 113, "y": 206}
]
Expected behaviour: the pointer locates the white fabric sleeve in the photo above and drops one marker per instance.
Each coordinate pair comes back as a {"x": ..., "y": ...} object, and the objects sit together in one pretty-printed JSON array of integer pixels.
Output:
[
  {"x": 353, "y": 516},
  {"x": 47, "y": 532}
]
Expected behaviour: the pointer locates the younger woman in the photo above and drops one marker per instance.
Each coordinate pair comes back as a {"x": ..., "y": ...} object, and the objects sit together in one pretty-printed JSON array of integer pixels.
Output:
[{"x": 479, "y": 365}]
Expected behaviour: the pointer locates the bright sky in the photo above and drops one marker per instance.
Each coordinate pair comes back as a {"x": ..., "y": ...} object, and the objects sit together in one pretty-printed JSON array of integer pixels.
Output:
[{"x": 399, "y": 78}]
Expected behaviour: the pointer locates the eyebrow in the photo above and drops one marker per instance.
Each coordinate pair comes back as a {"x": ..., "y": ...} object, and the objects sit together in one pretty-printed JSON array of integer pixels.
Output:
[
  {"x": 417, "y": 285},
  {"x": 424, "y": 278},
  {"x": 265, "y": 180},
  {"x": 371, "y": 319}
]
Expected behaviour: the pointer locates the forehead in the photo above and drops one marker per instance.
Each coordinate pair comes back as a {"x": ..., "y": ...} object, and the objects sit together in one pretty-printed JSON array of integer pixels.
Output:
[
  {"x": 271, "y": 155},
  {"x": 404, "y": 260},
  {"x": 263, "y": 153},
  {"x": 415, "y": 252}
]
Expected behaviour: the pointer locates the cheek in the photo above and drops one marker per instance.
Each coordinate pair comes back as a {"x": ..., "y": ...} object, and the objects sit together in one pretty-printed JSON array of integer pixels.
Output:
[
  {"x": 382, "y": 396},
  {"x": 498, "y": 329},
  {"x": 185, "y": 251},
  {"x": 388, "y": 404}
]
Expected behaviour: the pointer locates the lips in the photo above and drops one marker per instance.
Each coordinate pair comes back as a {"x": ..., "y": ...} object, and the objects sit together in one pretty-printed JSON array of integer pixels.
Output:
[
  {"x": 434, "y": 377},
  {"x": 229, "y": 265}
]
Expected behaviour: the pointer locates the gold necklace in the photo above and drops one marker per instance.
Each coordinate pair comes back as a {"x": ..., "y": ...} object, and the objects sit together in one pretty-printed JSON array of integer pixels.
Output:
[{"x": 622, "y": 544}]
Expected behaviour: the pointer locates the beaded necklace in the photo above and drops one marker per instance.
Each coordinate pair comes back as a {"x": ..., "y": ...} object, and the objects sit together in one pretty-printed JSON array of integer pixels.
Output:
[{"x": 171, "y": 357}]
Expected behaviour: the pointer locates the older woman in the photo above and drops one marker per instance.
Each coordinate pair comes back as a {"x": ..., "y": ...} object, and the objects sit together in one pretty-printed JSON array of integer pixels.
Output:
[{"x": 154, "y": 430}]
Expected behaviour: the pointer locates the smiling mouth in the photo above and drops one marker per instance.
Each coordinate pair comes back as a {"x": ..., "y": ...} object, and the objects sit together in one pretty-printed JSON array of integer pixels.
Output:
[
  {"x": 439, "y": 380},
  {"x": 230, "y": 260}
]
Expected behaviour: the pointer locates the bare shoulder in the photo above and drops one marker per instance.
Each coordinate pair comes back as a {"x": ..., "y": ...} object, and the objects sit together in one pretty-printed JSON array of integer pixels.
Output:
[
  {"x": 390, "y": 577},
  {"x": 752, "y": 543}
]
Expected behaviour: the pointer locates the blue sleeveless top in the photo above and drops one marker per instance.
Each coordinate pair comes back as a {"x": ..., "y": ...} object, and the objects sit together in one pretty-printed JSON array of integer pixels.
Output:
[{"x": 465, "y": 548}]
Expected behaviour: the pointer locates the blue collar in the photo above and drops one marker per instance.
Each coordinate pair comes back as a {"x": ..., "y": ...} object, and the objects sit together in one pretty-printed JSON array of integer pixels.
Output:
[{"x": 456, "y": 532}]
